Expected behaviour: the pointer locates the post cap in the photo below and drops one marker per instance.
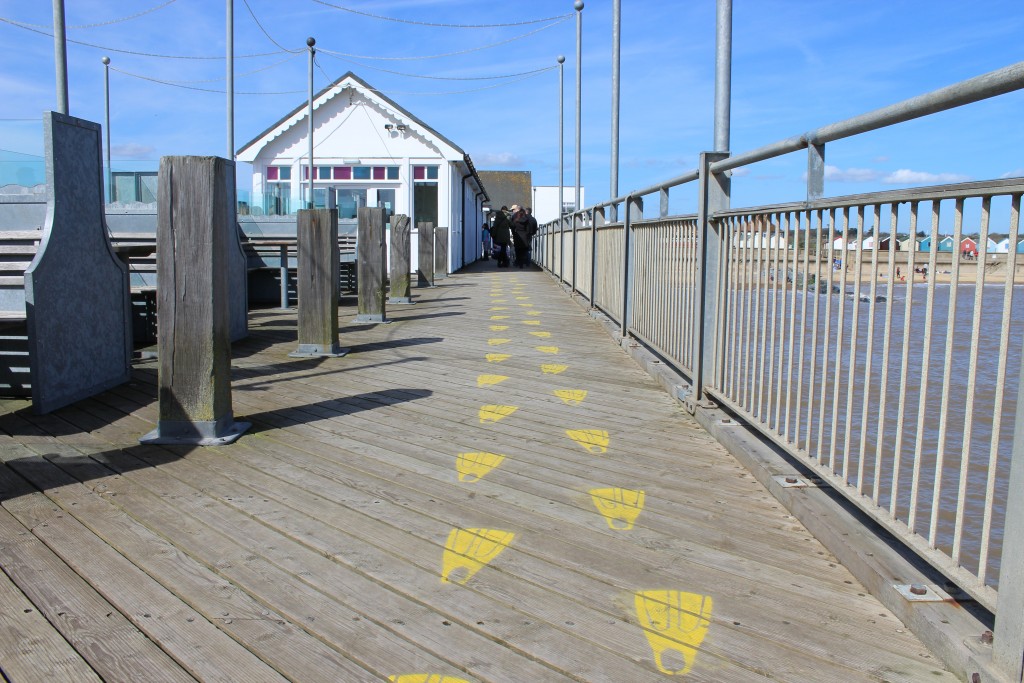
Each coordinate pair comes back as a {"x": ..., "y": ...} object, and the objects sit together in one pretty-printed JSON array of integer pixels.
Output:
[
  {"x": 311, "y": 41},
  {"x": 578, "y": 5},
  {"x": 561, "y": 59},
  {"x": 105, "y": 60}
]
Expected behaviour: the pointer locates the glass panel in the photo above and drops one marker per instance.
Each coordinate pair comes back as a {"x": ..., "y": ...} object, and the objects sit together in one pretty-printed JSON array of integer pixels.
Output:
[
  {"x": 271, "y": 172},
  {"x": 320, "y": 197},
  {"x": 425, "y": 203},
  {"x": 349, "y": 201},
  {"x": 386, "y": 200},
  {"x": 124, "y": 187},
  {"x": 378, "y": 173},
  {"x": 277, "y": 198},
  {"x": 147, "y": 187},
  {"x": 392, "y": 173},
  {"x": 323, "y": 172},
  {"x": 286, "y": 172},
  {"x": 419, "y": 172},
  {"x": 342, "y": 173},
  {"x": 431, "y": 172},
  {"x": 361, "y": 172}
]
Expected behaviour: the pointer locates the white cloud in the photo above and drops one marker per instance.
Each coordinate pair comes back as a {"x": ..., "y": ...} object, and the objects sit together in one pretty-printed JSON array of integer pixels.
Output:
[
  {"x": 851, "y": 175},
  {"x": 906, "y": 176},
  {"x": 497, "y": 159},
  {"x": 1015, "y": 173},
  {"x": 740, "y": 172},
  {"x": 132, "y": 150}
]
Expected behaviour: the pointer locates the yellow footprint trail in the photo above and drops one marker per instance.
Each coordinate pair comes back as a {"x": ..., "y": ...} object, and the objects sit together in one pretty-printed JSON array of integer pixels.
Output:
[
  {"x": 571, "y": 397},
  {"x": 470, "y": 550},
  {"x": 426, "y": 678},
  {"x": 472, "y": 467},
  {"x": 497, "y": 342},
  {"x": 619, "y": 507},
  {"x": 548, "y": 349},
  {"x": 553, "y": 368},
  {"x": 531, "y": 322},
  {"x": 540, "y": 334},
  {"x": 499, "y": 328},
  {"x": 593, "y": 440},
  {"x": 493, "y": 413},
  {"x": 497, "y": 357},
  {"x": 490, "y": 380},
  {"x": 674, "y": 621}
]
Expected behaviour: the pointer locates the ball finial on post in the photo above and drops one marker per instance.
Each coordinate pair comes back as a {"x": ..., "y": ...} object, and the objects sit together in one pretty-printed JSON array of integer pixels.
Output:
[
  {"x": 561, "y": 59},
  {"x": 311, "y": 41},
  {"x": 578, "y": 5},
  {"x": 105, "y": 60}
]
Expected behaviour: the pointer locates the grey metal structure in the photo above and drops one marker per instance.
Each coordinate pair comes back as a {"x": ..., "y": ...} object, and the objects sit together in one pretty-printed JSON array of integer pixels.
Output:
[
  {"x": 311, "y": 42},
  {"x": 616, "y": 68},
  {"x": 802, "y": 319},
  {"x": 108, "y": 177},
  {"x": 60, "y": 56},
  {"x": 76, "y": 289},
  {"x": 578, "y": 6},
  {"x": 230, "y": 24}
]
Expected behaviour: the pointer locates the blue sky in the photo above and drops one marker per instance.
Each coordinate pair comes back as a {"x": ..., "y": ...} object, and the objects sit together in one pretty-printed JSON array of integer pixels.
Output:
[{"x": 797, "y": 65}]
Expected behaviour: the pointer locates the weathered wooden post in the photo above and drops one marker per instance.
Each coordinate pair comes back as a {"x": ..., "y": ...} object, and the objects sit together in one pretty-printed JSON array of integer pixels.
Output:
[
  {"x": 401, "y": 260},
  {"x": 425, "y": 251},
  {"x": 440, "y": 254},
  {"x": 318, "y": 275},
  {"x": 194, "y": 381},
  {"x": 371, "y": 265}
]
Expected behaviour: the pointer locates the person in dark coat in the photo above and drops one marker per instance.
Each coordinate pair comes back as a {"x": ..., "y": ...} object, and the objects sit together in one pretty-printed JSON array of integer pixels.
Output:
[
  {"x": 501, "y": 235},
  {"x": 520, "y": 235},
  {"x": 533, "y": 231}
]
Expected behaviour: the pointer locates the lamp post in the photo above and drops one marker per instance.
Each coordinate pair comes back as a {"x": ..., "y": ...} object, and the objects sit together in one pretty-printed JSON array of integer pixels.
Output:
[
  {"x": 561, "y": 143},
  {"x": 616, "y": 44},
  {"x": 312, "y": 51},
  {"x": 231, "y": 78},
  {"x": 723, "y": 74},
  {"x": 578, "y": 5},
  {"x": 106, "y": 122},
  {"x": 60, "y": 56}
]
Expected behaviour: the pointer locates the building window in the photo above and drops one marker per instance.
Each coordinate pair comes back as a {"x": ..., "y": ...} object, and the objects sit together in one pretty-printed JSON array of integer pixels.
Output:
[
  {"x": 343, "y": 173},
  {"x": 392, "y": 172},
  {"x": 424, "y": 172},
  {"x": 323, "y": 172},
  {"x": 279, "y": 172}
]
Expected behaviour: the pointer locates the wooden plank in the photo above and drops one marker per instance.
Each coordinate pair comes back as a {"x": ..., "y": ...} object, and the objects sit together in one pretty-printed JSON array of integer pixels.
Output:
[
  {"x": 30, "y": 648},
  {"x": 111, "y": 645}
]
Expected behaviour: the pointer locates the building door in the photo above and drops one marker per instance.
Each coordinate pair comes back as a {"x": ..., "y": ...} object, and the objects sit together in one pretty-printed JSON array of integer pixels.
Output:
[{"x": 425, "y": 203}]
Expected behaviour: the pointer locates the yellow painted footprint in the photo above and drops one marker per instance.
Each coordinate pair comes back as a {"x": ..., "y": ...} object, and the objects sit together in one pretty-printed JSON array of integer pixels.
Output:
[
  {"x": 529, "y": 322},
  {"x": 619, "y": 507},
  {"x": 571, "y": 397},
  {"x": 494, "y": 413},
  {"x": 426, "y": 678},
  {"x": 499, "y": 328},
  {"x": 593, "y": 440},
  {"x": 553, "y": 368},
  {"x": 674, "y": 621},
  {"x": 473, "y": 466},
  {"x": 533, "y": 313},
  {"x": 541, "y": 335},
  {"x": 497, "y": 357},
  {"x": 469, "y": 550},
  {"x": 497, "y": 341},
  {"x": 498, "y": 308},
  {"x": 548, "y": 349},
  {"x": 490, "y": 380},
  {"x": 522, "y": 298},
  {"x": 499, "y": 317}
]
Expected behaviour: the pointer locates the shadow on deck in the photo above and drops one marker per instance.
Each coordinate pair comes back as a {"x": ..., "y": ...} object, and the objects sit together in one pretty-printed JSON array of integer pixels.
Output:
[{"x": 485, "y": 489}]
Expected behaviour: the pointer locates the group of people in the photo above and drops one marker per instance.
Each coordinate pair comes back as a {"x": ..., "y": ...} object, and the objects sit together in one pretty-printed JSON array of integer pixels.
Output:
[{"x": 512, "y": 230}]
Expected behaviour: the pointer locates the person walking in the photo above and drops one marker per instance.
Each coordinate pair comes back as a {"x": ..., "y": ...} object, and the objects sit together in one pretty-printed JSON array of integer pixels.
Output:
[
  {"x": 520, "y": 235},
  {"x": 501, "y": 235},
  {"x": 485, "y": 239},
  {"x": 533, "y": 228}
]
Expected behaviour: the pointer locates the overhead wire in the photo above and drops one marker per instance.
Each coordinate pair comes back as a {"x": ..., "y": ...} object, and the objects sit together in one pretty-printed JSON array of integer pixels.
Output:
[
  {"x": 192, "y": 87},
  {"x": 443, "y": 78},
  {"x": 448, "y": 54},
  {"x": 112, "y": 21},
  {"x": 29, "y": 27},
  {"x": 437, "y": 25},
  {"x": 269, "y": 37}
]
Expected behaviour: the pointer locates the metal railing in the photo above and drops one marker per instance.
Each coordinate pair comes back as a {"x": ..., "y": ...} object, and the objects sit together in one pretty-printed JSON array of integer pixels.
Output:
[{"x": 892, "y": 372}]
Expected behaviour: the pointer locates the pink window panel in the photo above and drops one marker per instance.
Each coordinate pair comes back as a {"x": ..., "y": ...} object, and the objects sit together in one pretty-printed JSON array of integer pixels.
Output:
[
  {"x": 378, "y": 173},
  {"x": 419, "y": 172},
  {"x": 342, "y": 173},
  {"x": 305, "y": 172},
  {"x": 272, "y": 173}
]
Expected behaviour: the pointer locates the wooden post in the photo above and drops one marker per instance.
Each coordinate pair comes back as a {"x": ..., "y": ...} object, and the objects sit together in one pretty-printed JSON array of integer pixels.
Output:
[
  {"x": 194, "y": 382},
  {"x": 371, "y": 266},
  {"x": 401, "y": 260},
  {"x": 440, "y": 254},
  {"x": 318, "y": 274},
  {"x": 425, "y": 251}
]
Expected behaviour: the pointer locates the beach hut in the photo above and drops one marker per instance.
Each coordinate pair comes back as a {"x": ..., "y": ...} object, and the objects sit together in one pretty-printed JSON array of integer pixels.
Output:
[
  {"x": 1020, "y": 247},
  {"x": 998, "y": 246},
  {"x": 887, "y": 243},
  {"x": 945, "y": 244},
  {"x": 969, "y": 246},
  {"x": 841, "y": 243},
  {"x": 908, "y": 244},
  {"x": 924, "y": 244}
]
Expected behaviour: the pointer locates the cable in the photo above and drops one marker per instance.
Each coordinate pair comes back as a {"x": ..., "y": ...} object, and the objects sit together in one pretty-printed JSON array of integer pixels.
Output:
[
  {"x": 425, "y": 23},
  {"x": 448, "y": 54},
  {"x": 253, "y": 15},
  {"x": 112, "y": 21},
  {"x": 28, "y": 27},
  {"x": 190, "y": 87},
  {"x": 460, "y": 92},
  {"x": 446, "y": 78}
]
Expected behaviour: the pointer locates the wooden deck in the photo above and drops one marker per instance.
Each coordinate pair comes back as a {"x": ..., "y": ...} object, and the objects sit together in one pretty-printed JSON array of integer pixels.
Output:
[{"x": 444, "y": 500}]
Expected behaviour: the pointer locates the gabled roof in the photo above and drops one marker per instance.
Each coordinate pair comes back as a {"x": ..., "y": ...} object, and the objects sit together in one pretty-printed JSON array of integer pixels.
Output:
[{"x": 296, "y": 115}]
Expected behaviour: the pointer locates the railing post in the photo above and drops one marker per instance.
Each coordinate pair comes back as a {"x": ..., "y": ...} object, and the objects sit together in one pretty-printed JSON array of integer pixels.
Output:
[
  {"x": 634, "y": 213},
  {"x": 425, "y": 254},
  {"x": 663, "y": 203},
  {"x": 576, "y": 219},
  {"x": 401, "y": 260},
  {"x": 561, "y": 249},
  {"x": 194, "y": 379},
  {"x": 713, "y": 196},
  {"x": 1008, "y": 641},
  {"x": 599, "y": 221},
  {"x": 371, "y": 260},
  {"x": 815, "y": 171},
  {"x": 317, "y": 284}
]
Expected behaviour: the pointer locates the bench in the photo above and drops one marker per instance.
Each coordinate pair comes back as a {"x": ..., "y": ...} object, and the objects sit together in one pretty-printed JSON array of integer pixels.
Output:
[
  {"x": 17, "y": 250},
  {"x": 279, "y": 253},
  {"x": 138, "y": 252}
]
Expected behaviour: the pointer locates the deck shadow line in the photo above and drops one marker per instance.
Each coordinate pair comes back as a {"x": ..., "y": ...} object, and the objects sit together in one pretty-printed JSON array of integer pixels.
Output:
[{"x": 291, "y": 416}]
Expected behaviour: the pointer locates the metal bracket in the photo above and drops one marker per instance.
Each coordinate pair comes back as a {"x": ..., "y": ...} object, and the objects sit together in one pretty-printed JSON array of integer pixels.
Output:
[{"x": 790, "y": 481}]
